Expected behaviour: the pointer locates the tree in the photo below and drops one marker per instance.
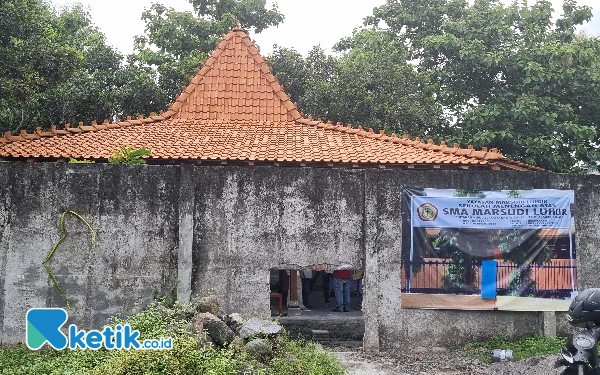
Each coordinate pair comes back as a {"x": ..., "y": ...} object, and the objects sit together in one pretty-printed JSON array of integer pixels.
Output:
[
  {"x": 32, "y": 60},
  {"x": 91, "y": 91},
  {"x": 370, "y": 83},
  {"x": 293, "y": 71},
  {"x": 508, "y": 76},
  {"x": 379, "y": 87},
  {"x": 56, "y": 68}
]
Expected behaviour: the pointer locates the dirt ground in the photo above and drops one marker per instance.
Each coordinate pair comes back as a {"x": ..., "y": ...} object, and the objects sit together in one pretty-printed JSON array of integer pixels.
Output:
[{"x": 438, "y": 361}]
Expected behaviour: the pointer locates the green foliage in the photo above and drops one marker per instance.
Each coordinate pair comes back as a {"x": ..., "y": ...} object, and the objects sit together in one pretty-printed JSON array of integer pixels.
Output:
[
  {"x": 186, "y": 358},
  {"x": 513, "y": 194},
  {"x": 522, "y": 348},
  {"x": 512, "y": 76},
  {"x": 129, "y": 155},
  {"x": 519, "y": 247},
  {"x": 460, "y": 276},
  {"x": 168, "y": 295},
  {"x": 56, "y": 67},
  {"x": 468, "y": 193},
  {"x": 370, "y": 83},
  {"x": 309, "y": 360},
  {"x": 249, "y": 13},
  {"x": 520, "y": 283},
  {"x": 82, "y": 161},
  {"x": 176, "y": 43}
]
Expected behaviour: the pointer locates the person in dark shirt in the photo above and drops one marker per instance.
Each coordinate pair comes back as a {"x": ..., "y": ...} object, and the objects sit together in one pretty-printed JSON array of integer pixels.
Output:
[{"x": 306, "y": 276}]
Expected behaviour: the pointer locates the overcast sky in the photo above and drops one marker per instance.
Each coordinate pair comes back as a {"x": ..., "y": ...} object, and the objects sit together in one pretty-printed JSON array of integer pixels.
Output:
[{"x": 307, "y": 22}]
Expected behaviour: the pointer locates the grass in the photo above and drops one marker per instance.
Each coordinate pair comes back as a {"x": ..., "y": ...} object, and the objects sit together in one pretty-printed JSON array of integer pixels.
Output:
[
  {"x": 188, "y": 356},
  {"x": 524, "y": 347}
]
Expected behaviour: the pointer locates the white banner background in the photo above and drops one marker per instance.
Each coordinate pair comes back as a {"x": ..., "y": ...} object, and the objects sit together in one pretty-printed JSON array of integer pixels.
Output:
[{"x": 491, "y": 213}]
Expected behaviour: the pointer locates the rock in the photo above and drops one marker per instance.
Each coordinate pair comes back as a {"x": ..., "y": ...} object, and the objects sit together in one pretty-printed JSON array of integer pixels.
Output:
[
  {"x": 208, "y": 304},
  {"x": 219, "y": 332},
  {"x": 259, "y": 327},
  {"x": 259, "y": 348},
  {"x": 189, "y": 327},
  {"x": 235, "y": 322},
  {"x": 200, "y": 319}
]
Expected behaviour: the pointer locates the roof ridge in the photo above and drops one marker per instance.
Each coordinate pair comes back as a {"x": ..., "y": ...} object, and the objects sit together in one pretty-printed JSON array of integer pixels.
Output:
[
  {"x": 264, "y": 70},
  {"x": 23, "y": 135},
  {"x": 484, "y": 154},
  {"x": 236, "y": 85}
]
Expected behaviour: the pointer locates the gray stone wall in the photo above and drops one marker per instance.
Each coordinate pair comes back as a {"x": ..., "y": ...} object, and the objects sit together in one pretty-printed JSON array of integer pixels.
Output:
[
  {"x": 222, "y": 229},
  {"x": 135, "y": 215},
  {"x": 249, "y": 221}
]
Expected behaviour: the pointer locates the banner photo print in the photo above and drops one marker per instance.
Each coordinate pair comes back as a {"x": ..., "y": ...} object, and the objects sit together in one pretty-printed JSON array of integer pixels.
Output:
[{"x": 478, "y": 250}]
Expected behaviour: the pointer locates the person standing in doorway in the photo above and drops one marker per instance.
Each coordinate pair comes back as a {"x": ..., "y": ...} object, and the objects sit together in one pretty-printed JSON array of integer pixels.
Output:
[
  {"x": 284, "y": 286},
  {"x": 326, "y": 290},
  {"x": 341, "y": 285},
  {"x": 306, "y": 276}
]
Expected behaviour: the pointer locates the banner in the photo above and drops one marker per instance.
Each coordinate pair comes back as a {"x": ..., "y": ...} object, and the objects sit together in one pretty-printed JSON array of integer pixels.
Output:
[
  {"x": 492, "y": 213},
  {"x": 497, "y": 243}
]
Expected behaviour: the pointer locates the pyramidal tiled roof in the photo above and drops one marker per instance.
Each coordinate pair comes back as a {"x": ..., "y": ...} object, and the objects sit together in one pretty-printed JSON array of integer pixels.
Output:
[{"x": 235, "y": 111}]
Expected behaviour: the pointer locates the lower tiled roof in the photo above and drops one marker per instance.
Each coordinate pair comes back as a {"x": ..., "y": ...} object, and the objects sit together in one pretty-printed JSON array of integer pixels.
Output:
[{"x": 293, "y": 142}]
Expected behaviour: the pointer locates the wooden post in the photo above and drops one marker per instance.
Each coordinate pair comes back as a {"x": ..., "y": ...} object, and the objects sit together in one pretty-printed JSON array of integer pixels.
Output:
[{"x": 294, "y": 287}]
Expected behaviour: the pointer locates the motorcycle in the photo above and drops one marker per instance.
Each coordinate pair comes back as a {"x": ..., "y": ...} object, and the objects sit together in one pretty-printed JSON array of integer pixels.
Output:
[{"x": 580, "y": 353}]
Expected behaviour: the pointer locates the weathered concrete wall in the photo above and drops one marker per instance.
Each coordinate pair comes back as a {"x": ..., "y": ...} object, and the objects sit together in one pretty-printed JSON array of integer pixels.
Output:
[
  {"x": 248, "y": 221},
  {"x": 134, "y": 212},
  {"x": 221, "y": 229}
]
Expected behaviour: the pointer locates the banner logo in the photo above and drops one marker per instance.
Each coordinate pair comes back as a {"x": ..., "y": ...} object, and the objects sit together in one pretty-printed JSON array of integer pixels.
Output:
[{"x": 427, "y": 212}]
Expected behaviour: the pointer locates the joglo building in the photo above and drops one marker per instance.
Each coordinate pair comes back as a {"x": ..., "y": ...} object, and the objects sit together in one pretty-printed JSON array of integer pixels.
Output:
[{"x": 456, "y": 244}]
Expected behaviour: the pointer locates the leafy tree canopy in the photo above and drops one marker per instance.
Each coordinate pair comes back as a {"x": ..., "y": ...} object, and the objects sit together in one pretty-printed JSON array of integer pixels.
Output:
[
  {"x": 508, "y": 76},
  {"x": 56, "y": 67},
  {"x": 369, "y": 82}
]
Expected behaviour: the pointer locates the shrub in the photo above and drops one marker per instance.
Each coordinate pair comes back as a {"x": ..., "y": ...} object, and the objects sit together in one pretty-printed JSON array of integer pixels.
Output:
[
  {"x": 129, "y": 155},
  {"x": 522, "y": 348},
  {"x": 188, "y": 356}
]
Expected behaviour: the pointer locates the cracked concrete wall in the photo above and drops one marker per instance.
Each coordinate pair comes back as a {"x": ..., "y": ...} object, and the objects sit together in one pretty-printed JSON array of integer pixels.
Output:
[
  {"x": 134, "y": 212},
  {"x": 221, "y": 229},
  {"x": 250, "y": 220}
]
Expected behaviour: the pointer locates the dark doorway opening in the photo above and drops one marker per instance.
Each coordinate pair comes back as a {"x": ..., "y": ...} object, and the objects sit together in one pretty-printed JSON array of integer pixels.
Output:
[{"x": 312, "y": 292}]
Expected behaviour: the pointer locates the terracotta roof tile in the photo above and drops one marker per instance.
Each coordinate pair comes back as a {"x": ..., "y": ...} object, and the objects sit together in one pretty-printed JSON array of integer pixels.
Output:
[{"x": 234, "y": 109}]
